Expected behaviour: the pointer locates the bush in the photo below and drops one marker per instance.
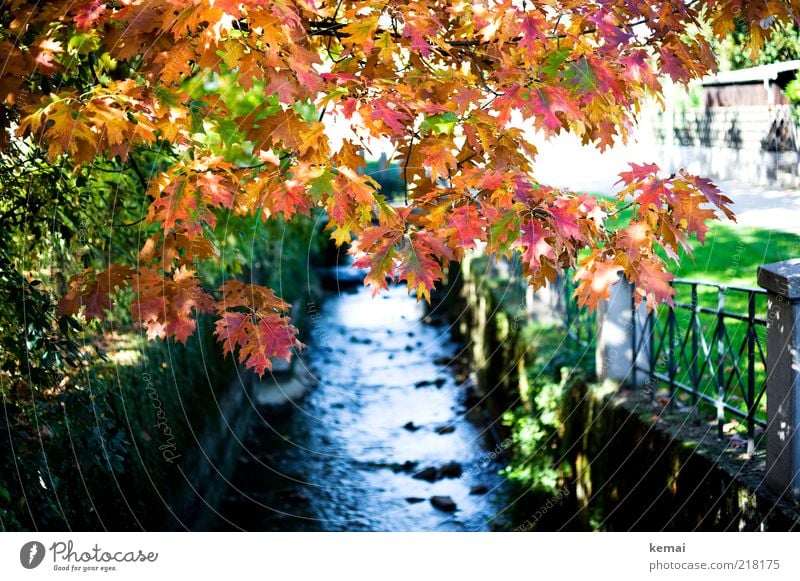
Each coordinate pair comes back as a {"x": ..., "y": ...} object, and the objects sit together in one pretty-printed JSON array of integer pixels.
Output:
[
  {"x": 555, "y": 364},
  {"x": 82, "y": 449}
]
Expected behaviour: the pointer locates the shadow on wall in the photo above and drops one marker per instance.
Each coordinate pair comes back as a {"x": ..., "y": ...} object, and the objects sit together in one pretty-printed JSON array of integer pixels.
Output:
[
  {"x": 754, "y": 145},
  {"x": 753, "y": 128}
]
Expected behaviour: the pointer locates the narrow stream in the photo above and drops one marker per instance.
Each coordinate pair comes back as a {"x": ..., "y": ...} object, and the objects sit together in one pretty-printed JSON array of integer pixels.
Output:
[{"x": 382, "y": 442}]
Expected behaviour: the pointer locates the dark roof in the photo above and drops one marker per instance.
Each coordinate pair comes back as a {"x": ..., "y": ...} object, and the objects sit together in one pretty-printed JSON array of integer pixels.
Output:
[{"x": 782, "y": 72}]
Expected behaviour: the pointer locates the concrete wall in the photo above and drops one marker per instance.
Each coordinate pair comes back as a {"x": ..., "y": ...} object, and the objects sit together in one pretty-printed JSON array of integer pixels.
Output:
[
  {"x": 752, "y": 167},
  {"x": 755, "y": 145},
  {"x": 207, "y": 469}
]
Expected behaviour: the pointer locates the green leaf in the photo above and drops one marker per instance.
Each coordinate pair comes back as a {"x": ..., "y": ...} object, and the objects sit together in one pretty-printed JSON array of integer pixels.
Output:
[
  {"x": 579, "y": 74},
  {"x": 83, "y": 43},
  {"x": 307, "y": 110},
  {"x": 321, "y": 185},
  {"x": 505, "y": 231},
  {"x": 553, "y": 62},
  {"x": 443, "y": 123}
]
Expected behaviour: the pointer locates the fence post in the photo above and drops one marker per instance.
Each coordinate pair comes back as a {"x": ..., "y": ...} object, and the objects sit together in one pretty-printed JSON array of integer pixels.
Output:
[
  {"x": 782, "y": 282},
  {"x": 622, "y": 335}
]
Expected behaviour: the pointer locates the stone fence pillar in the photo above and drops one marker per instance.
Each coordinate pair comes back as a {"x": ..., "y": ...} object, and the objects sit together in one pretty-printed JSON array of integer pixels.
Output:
[
  {"x": 620, "y": 332},
  {"x": 782, "y": 281}
]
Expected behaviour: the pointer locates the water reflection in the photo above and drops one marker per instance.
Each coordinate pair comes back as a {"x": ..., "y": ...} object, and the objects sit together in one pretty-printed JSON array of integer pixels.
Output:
[{"x": 382, "y": 433}]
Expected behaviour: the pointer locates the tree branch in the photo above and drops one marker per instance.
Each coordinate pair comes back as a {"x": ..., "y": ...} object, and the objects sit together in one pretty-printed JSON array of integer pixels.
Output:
[
  {"x": 94, "y": 72},
  {"x": 138, "y": 172},
  {"x": 405, "y": 168},
  {"x": 330, "y": 27}
]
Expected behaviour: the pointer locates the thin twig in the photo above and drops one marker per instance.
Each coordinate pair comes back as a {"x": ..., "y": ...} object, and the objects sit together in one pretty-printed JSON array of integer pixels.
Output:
[
  {"x": 138, "y": 172},
  {"x": 405, "y": 168},
  {"x": 128, "y": 224},
  {"x": 94, "y": 73},
  {"x": 622, "y": 209}
]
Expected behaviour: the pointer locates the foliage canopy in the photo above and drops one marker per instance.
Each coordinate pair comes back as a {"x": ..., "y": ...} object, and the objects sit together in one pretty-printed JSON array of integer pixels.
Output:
[{"x": 266, "y": 108}]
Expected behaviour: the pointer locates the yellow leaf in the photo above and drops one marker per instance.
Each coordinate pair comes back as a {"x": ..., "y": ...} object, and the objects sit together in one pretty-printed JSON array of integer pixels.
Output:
[{"x": 361, "y": 32}]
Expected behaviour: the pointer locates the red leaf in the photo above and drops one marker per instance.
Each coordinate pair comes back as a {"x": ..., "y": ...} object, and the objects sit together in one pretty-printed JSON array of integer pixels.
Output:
[
  {"x": 376, "y": 252},
  {"x": 215, "y": 190},
  {"x": 93, "y": 291},
  {"x": 535, "y": 245},
  {"x": 267, "y": 339},
  {"x": 712, "y": 194},
  {"x": 546, "y": 101},
  {"x": 420, "y": 262},
  {"x": 607, "y": 26},
  {"x": 231, "y": 331},
  {"x": 565, "y": 212},
  {"x": 88, "y": 14},
  {"x": 638, "y": 173},
  {"x": 166, "y": 306},
  {"x": 533, "y": 33},
  {"x": 595, "y": 278},
  {"x": 418, "y": 40},
  {"x": 645, "y": 185},
  {"x": 440, "y": 159},
  {"x": 251, "y": 319},
  {"x": 178, "y": 207},
  {"x": 506, "y": 103},
  {"x": 654, "y": 282},
  {"x": 466, "y": 226},
  {"x": 634, "y": 239},
  {"x": 672, "y": 65},
  {"x": 277, "y": 196},
  {"x": 181, "y": 328},
  {"x": 392, "y": 118}
]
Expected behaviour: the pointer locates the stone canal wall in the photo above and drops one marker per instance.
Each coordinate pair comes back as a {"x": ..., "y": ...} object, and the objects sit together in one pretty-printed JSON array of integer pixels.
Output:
[{"x": 620, "y": 460}]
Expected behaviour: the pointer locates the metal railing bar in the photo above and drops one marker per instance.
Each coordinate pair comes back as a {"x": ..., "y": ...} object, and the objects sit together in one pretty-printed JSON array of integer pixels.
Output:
[
  {"x": 719, "y": 285},
  {"x": 712, "y": 359},
  {"x": 712, "y": 311},
  {"x": 735, "y": 361},
  {"x": 710, "y": 399}
]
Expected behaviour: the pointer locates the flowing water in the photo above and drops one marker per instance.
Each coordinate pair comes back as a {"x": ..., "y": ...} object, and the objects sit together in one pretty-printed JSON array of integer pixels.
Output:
[{"x": 345, "y": 456}]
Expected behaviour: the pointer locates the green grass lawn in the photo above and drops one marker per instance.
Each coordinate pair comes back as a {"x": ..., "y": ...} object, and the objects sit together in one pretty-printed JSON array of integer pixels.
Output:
[{"x": 732, "y": 254}]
